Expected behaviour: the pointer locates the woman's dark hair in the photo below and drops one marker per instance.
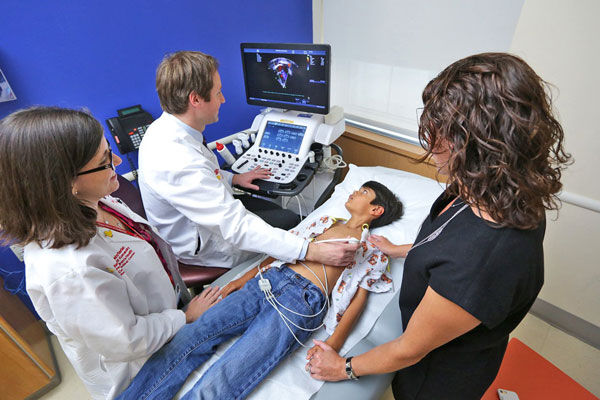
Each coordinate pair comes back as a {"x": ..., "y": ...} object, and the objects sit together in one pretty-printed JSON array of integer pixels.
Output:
[
  {"x": 494, "y": 113},
  {"x": 41, "y": 151},
  {"x": 384, "y": 197}
]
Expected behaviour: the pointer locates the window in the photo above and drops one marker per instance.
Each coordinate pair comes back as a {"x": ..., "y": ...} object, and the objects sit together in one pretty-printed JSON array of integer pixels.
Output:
[{"x": 385, "y": 51}]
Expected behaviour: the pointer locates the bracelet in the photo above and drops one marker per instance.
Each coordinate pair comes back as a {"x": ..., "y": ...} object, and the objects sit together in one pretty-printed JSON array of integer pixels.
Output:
[{"x": 349, "y": 371}]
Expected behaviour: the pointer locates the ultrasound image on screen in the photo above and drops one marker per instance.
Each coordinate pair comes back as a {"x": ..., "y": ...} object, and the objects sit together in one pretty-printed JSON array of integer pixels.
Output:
[
  {"x": 283, "y": 68},
  {"x": 283, "y": 137},
  {"x": 289, "y": 77}
]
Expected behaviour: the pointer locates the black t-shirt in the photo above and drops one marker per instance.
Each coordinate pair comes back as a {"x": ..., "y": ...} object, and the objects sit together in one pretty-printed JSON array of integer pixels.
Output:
[{"x": 493, "y": 273}]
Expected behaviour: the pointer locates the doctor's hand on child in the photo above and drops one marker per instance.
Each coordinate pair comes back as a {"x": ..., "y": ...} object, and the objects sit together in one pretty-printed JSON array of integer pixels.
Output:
[
  {"x": 337, "y": 254},
  {"x": 199, "y": 304},
  {"x": 245, "y": 179},
  {"x": 389, "y": 248}
]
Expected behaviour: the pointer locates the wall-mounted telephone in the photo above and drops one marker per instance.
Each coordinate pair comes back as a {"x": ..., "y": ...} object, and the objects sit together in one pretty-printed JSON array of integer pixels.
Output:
[{"x": 129, "y": 127}]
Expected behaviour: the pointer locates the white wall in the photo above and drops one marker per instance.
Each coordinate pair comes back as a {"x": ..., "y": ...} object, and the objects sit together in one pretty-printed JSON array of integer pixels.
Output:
[{"x": 559, "y": 39}]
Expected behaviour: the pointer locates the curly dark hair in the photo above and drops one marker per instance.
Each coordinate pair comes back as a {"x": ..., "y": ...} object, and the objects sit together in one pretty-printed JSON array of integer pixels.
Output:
[{"x": 494, "y": 114}]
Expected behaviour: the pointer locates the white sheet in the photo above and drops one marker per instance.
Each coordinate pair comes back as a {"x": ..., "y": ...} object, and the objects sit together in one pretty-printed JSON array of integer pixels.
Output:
[{"x": 290, "y": 380}]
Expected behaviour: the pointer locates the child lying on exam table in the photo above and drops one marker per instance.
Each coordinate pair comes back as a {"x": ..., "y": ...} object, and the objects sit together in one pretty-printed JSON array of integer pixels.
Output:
[{"x": 275, "y": 308}]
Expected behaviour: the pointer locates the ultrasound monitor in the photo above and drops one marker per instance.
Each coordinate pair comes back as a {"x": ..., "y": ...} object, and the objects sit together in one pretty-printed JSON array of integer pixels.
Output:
[{"x": 287, "y": 76}]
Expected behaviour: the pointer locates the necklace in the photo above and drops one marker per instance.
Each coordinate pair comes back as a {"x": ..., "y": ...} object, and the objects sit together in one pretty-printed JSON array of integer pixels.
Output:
[
  {"x": 116, "y": 223},
  {"x": 457, "y": 203},
  {"x": 122, "y": 225},
  {"x": 107, "y": 221},
  {"x": 439, "y": 230}
]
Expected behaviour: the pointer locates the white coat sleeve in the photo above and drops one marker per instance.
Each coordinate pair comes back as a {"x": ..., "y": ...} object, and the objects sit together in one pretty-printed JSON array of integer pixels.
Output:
[
  {"x": 92, "y": 306},
  {"x": 228, "y": 176},
  {"x": 196, "y": 192}
]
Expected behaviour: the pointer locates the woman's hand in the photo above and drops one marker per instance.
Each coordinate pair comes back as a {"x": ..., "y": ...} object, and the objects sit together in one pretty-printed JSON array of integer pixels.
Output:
[
  {"x": 325, "y": 364},
  {"x": 245, "y": 179},
  {"x": 232, "y": 286},
  {"x": 313, "y": 350},
  {"x": 389, "y": 248},
  {"x": 199, "y": 304}
]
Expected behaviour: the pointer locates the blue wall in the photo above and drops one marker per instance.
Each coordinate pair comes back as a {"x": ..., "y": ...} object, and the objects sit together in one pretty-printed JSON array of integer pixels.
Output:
[{"x": 103, "y": 54}]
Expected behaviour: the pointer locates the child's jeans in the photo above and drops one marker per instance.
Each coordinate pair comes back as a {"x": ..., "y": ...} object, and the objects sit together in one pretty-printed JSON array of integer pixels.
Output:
[{"x": 265, "y": 341}]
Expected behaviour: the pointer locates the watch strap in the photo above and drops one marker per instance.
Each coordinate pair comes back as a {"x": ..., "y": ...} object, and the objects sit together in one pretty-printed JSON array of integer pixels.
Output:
[{"x": 349, "y": 371}]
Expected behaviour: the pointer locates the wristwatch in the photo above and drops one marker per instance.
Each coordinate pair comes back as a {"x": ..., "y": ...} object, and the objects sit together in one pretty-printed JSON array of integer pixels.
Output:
[{"x": 349, "y": 370}]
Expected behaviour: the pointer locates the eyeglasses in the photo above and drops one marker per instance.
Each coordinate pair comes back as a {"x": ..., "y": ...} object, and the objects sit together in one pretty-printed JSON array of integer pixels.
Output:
[
  {"x": 425, "y": 141},
  {"x": 102, "y": 167},
  {"x": 419, "y": 113}
]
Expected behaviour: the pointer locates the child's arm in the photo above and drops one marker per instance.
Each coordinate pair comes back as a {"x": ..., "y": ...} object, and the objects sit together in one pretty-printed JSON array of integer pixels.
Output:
[
  {"x": 387, "y": 247},
  {"x": 342, "y": 330},
  {"x": 239, "y": 283}
]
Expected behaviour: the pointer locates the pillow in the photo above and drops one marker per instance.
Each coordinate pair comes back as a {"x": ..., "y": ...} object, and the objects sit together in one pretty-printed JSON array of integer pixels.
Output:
[{"x": 416, "y": 192}]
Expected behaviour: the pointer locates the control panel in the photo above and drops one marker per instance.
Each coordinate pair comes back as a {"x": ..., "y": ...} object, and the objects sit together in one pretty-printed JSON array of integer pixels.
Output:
[
  {"x": 291, "y": 187},
  {"x": 282, "y": 144},
  {"x": 284, "y": 166}
]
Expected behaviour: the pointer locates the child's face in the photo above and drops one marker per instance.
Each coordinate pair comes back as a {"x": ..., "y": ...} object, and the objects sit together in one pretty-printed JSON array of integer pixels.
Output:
[{"x": 360, "y": 200}]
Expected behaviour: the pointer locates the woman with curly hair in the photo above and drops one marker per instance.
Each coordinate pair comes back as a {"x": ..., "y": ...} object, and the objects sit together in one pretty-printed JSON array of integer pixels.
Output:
[{"x": 477, "y": 264}]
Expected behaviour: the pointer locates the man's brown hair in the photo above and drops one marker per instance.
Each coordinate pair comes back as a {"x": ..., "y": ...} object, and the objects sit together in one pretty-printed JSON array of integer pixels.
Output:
[{"x": 182, "y": 73}]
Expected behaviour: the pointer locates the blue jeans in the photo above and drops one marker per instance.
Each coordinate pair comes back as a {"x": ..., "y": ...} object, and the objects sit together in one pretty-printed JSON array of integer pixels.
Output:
[{"x": 265, "y": 341}]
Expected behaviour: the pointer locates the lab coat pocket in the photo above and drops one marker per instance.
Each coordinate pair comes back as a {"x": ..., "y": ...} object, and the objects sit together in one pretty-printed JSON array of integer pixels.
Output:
[
  {"x": 214, "y": 250},
  {"x": 198, "y": 242},
  {"x": 207, "y": 242}
]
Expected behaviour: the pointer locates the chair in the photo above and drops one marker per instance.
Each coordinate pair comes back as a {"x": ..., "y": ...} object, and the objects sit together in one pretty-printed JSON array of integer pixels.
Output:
[
  {"x": 196, "y": 276},
  {"x": 192, "y": 275},
  {"x": 130, "y": 196},
  {"x": 531, "y": 376}
]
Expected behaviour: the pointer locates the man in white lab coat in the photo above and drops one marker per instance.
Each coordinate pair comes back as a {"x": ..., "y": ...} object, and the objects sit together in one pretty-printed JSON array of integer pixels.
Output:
[{"x": 188, "y": 198}]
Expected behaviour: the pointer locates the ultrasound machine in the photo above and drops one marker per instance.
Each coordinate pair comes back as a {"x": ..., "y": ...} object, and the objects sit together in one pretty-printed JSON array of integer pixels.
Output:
[{"x": 293, "y": 82}]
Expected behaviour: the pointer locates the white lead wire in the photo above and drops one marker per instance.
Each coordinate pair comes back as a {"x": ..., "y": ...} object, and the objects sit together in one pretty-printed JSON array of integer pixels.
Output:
[
  {"x": 274, "y": 303},
  {"x": 272, "y": 300}
]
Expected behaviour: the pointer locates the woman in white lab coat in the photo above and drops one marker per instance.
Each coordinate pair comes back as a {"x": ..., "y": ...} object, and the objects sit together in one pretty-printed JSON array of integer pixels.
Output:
[{"x": 105, "y": 284}]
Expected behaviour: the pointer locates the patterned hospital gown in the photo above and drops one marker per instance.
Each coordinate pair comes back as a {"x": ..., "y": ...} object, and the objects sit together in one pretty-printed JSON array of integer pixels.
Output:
[{"x": 369, "y": 271}]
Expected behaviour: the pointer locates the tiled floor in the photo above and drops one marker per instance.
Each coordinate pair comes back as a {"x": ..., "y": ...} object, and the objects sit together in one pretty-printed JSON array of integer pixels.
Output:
[{"x": 577, "y": 359}]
